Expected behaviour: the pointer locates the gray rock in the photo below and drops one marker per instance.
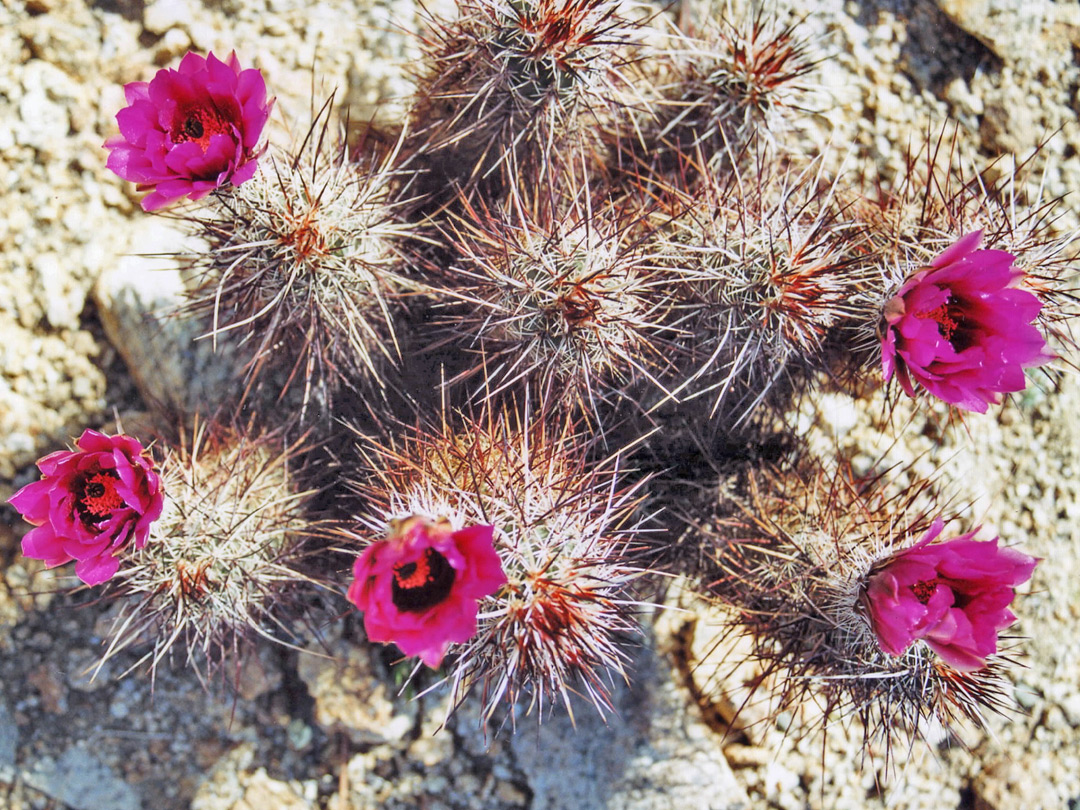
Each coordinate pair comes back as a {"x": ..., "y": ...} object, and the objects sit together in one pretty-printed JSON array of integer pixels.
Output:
[
  {"x": 9, "y": 743},
  {"x": 86, "y": 672},
  {"x": 258, "y": 675},
  {"x": 653, "y": 753},
  {"x": 78, "y": 780}
]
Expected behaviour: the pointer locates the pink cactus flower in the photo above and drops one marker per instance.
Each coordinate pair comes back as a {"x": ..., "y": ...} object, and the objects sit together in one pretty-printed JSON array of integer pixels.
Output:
[
  {"x": 955, "y": 596},
  {"x": 420, "y": 587},
  {"x": 90, "y": 504},
  {"x": 961, "y": 330},
  {"x": 189, "y": 131}
]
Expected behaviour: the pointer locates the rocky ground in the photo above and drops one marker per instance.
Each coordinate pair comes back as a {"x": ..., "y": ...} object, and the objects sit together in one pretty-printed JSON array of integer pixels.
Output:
[{"x": 306, "y": 730}]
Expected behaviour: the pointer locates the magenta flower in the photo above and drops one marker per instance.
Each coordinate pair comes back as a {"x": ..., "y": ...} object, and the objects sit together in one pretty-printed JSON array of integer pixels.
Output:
[
  {"x": 420, "y": 587},
  {"x": 955, "y": 596},
  {"x": 959, "y": 328},
  {"x": 89, "y": 504},
  {"x": 191, "y": 130}
]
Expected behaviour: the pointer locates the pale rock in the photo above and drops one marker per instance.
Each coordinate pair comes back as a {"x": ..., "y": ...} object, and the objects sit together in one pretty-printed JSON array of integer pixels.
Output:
[
  {"x": 1026, "y": 696},
  {"x": 352, "y": 695},
  {"x": 162, "y": 15},
  {"x": 263, "y": 793},
  {"x": 137, "y": 300},
  {"x": 1006, "y": 27},
  {"x": 889, "y": 105},
  {"x": 960, "y": 96},
  {"x": 1071, "y": 706},
  {"x": 111, "y": 101},
  {"x": 719, "y": 665},
  {"x": 173, "y": 45},
  {"x": 779, "y": 780},
  {"x": 510, "y": 794},
  {"x": 119, "y": 41},
  {"x": 203, "y": 36},
  {"x": 748, "y": 756},
  {"x": 1013, "y": 784},
  {"x": 223, "y": 786},
  {"x": 838, "y": 413},
  {"x": 43, "y": 123},
  {"x": 60, "y": 38},
  {"x": 62, "y": 302},
  {"x": 41, "y": 406},
  {"x": 968, "y": 14},
  {"x": 1007, "y": 125},
  {"x": 433, "y": 746},
  {"x": 882, "y": 33},
  {"x": 275, "y": 27}
]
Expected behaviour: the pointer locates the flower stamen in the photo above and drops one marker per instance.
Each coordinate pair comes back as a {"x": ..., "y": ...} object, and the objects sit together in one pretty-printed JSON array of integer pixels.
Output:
[
  {"x": 199, "y": 125},
  {"x": 924, "y": 590},
  {"x": 99, "y": 497},
  {"x": 947, "y": 324},
  {"x": 193, "y": 127}
]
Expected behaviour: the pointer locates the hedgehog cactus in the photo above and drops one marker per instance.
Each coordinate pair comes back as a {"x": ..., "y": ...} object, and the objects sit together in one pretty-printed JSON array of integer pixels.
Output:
[
  {"x": 564, "y": 529},
  {"x": 765, "y": 269},
  {"x": 509, "y": 84},
  {"x": 618, "y": 279},
  {"x": 225, "y": 555},
  {"x": 570, "y": 302},
  {"x": 301, "y": 269},
  {"x": 799, "y": 560}
]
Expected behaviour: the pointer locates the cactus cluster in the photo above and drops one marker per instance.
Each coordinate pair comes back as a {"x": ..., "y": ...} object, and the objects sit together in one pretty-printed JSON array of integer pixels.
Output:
[{"x": 578, "y": 302}]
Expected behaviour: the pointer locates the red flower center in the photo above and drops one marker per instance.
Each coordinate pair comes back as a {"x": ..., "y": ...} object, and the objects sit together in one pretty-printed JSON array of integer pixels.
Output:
[
  {"x": 198, "y": 124},
  {"x": 951, "y": 319},
  {"x": 96, "y": 498},
  {"x": 420, "y": 585},
  {"x": 924, "y": 590},
  {"x": 946, "y": 323}
]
